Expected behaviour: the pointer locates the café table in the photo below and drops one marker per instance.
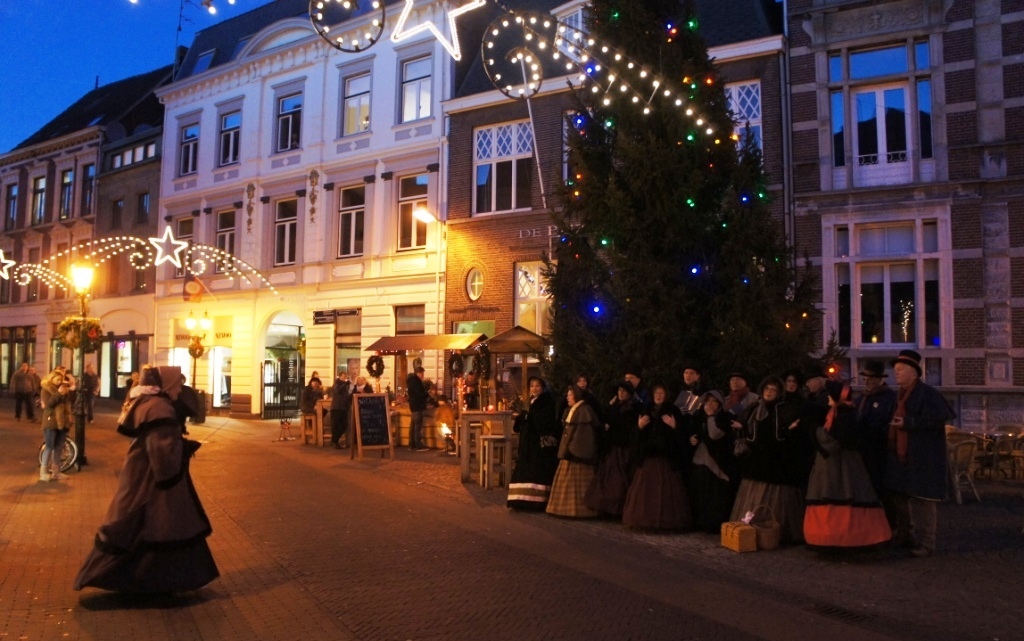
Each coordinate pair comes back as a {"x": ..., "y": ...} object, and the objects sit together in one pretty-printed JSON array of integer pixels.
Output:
[
  {"x": 481, "y": 422},
  {"x": 995, "y": 445}
]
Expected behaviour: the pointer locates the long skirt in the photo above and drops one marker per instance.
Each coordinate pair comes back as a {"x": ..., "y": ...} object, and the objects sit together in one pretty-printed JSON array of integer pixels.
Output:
[
  {"x": 607, "y": 492},
  {"x": 712, "y": 499},
  {"x": 567, "y": 490},
  {"x": 149, "y": 570},
  {"x": 785, "y": 501},
  {"x": 842, "y": 507},
  {"x": 657, "y": 498},
  {"x": 530, "y": 485}
]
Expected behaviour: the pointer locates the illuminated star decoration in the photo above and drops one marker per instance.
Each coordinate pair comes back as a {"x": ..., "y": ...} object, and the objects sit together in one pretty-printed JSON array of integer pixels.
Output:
[
  {"x": 162, "y": 255},
  {"x": 5, "y": 264},
  {"x": 401, "y": 33}
]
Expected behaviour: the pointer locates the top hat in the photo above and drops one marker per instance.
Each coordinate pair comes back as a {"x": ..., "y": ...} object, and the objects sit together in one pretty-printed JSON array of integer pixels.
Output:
[
  {"x": 911, "y": 358},
  {"x": 873, "y": 368}
]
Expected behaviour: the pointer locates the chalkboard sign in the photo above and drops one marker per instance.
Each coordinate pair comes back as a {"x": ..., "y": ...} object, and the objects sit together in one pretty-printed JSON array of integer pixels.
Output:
[{"x": 372, "y": 423}]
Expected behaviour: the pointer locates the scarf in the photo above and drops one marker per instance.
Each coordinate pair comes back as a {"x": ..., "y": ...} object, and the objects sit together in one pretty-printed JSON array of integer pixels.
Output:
[
  {"x": 834, "y": 409},
  {"x": 898, "y": 439}
]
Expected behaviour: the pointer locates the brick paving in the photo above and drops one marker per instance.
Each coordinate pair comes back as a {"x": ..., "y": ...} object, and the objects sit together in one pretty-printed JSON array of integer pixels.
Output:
[{"x": 313, "y": 545}]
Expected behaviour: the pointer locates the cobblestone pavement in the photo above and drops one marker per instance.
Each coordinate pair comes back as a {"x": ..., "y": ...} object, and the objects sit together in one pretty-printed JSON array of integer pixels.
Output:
[{"x": 314, "y": 545}]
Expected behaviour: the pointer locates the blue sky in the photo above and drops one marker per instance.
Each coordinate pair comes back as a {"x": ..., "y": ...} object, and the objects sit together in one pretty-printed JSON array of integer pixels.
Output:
[{"x": 52, "y": 50}]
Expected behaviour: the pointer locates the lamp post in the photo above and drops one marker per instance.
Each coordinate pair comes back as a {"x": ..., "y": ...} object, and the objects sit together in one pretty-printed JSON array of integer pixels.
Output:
[
  {"x": 81, "y": 277},
  {"x": 195, "y": 340}
]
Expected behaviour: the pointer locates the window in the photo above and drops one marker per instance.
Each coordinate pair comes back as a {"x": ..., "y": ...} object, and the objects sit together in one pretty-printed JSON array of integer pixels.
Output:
[
  {"x": 357, "y": 105},
  {"x": 881, "y": 110},
  {"x": 117, "y": 214},
  {"x": 416, "y": 89},
  {"x": 887, "y": 278},
  {"x": 225, "y": 238},
  {"x": 289, "y": 122},
  {"x": 142, "y": 212},
  {"x": 745, "y": 104},
  {"x": 39, "y": 200},
  {"x": 88, "y": 184},
  {"x": 189, "y": 152},
  {"x": 412, "y": 194},
  {"x": 350, "y": 221},
  {"x": 570, "y": 31},
  {"x": 410, "y": 319},
  {"x": 230, "y": 127},
  {"x": 184, "y": 228},
  {"x": 67, "y": 194},
  {"x": 11, "y": 208},
  {"x": 203, "y": 61},
  {"x": 503, "y": 161},
  {"x": 60, "y": 265},
  {"x": 532, "y": 302},
  {"x": 475, "y": 284},
  {"x": 286, "y": 219}
]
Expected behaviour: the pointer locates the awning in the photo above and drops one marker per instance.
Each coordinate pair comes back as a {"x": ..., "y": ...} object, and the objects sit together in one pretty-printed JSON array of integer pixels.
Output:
[
  {"x": 422, "y": 342},
  {"x": 517, "y": 341}
]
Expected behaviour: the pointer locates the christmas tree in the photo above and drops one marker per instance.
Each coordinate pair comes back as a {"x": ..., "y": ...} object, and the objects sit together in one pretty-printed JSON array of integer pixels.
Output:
[{"x": 669, "y": 253}]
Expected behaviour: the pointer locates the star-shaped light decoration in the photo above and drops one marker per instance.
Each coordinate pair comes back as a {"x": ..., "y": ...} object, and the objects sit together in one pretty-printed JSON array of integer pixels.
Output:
[
  {"x": 401, "y": 33},
  {"x": 5, "y": 264},
  {"x": 162, "y": 255}
]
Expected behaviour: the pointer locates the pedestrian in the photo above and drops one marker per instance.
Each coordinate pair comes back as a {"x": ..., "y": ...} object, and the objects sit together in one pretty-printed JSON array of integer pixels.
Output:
[
  {"x": 341, "y": 403},
  {"x": 24, "y": 387},
  {"x": 55, "y": 395},
  {"x": 714, "y": 475},
  {"x": 577, "y": 454},
  {"x": 417, "y": 406},
  {"x": 843, "y": 511},
  {"x": 614, "y": 472},
  {"x": 916, "y": 471},
  {"x": 657, "y": 497},
  {"x": 153, "y": 538},
  {"x": 539, "y": 433},
  {"x": 362, "y": 386},
  {"x": 89, "y": 388}
]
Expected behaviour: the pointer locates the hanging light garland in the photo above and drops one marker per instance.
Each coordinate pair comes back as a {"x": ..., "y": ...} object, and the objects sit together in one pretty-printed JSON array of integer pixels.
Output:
[
  {"x": 517, "y": 45},
  {"x": 324, "y": 13}
]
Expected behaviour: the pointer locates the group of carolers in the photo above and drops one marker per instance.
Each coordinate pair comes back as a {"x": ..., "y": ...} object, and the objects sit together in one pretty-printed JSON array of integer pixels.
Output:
[{"x": 837, "y": 469}]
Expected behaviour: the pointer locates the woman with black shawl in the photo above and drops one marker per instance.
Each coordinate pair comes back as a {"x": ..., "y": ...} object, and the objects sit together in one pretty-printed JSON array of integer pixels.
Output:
[
  {"x": 657, "y": 497},
  {"x": 539, "y": 432},
  {"x": 774, "y": 471},
  {"x": 607, "y": 493},
  {"x": 714, "y": 475}
]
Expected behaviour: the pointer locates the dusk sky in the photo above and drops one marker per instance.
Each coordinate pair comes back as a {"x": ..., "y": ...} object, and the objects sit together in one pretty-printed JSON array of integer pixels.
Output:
[{"x": 52, "y": 51}]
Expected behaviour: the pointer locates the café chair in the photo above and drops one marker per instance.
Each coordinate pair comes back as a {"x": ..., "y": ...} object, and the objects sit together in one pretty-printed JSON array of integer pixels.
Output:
[{"x": 961, "y": 468}]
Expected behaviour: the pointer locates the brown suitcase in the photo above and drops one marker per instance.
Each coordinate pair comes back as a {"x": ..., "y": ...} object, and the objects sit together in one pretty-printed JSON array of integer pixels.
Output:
[{"x": 739, "y": 537}]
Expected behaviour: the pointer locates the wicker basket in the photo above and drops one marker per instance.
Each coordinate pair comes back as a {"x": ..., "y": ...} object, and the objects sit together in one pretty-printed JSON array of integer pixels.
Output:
[{"x": 768, "y": 530}]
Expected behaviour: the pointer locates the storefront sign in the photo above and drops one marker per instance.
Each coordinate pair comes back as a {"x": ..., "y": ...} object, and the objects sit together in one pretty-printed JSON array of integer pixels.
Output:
[
  {"x": 323, "y": 317},
  {"x": 539, "y": 232}
]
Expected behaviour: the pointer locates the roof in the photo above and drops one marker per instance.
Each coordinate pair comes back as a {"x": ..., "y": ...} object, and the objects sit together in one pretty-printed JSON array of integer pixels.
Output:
[
  {"x": 106, "y": 105},
  {"x": 419, "y": 342},
  {"x": 517, "y": 340}
]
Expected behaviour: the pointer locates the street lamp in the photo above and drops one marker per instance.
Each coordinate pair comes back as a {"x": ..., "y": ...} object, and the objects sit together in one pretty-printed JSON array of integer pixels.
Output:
[
  {"x": 81, "y": 278},
  {"x": 195, "y": 340}
]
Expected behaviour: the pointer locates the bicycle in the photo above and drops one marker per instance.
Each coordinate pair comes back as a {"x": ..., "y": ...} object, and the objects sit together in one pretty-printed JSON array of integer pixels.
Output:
[{"x": 68, "y": 456}]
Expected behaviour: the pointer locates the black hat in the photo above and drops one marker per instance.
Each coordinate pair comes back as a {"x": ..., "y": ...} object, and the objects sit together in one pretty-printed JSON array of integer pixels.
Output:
[
  {"x": 911, "y": 358},
  {"x": 626, "y": 385},
  {"x": 873, "y": 368},
  {"x": 739, "y": 374},
  {"x": 795, "y": 373},
  {"x": 816, "y": 370},
  {"x": 694, "y": 366}
]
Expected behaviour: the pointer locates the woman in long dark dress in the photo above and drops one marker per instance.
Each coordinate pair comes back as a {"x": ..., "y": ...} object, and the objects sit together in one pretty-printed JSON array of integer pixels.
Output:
[
  {"x": 153, "y": 539},
  {"x": 843, "y": 510},
  {"x": 539, "y": 431},
  {"x": 714, "y": 475},
  {"x": 775, "y": 471},
  {"x": 607, "y": 493},
  {"x": 657, "y": 497},
  {"x": 577, "y": 453}
]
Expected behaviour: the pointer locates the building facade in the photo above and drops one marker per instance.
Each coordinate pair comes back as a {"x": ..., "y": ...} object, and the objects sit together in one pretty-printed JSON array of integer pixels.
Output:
[
  {"x": 315, "y": 168},
  {"x": 908, "y": 179},
  {"x": 55, "y": 207}
]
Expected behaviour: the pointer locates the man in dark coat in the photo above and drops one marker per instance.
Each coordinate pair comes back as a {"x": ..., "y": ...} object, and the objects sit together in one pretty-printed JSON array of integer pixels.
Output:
[
  {"x": 688, "y": 400},
  {"x": 341, "y": 403},
  {"x": 417, "y": 406},
  {"x": 875, "y": 408},
  {"x": 916, "y": 471}
]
